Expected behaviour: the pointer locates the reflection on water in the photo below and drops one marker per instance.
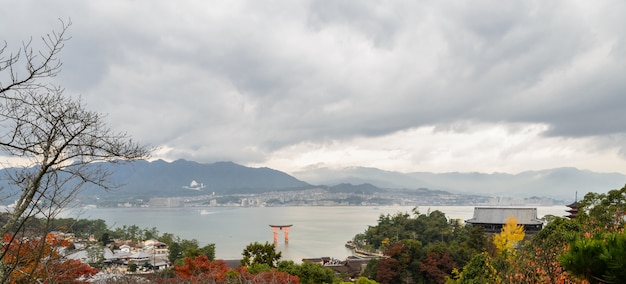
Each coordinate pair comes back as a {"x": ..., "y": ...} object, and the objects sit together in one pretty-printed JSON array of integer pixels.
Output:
[{"x": 316, "y": 231}]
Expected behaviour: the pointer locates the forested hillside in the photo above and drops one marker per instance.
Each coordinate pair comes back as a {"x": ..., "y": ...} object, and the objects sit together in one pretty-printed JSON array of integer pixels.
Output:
[{"x": 429, "y": 248}]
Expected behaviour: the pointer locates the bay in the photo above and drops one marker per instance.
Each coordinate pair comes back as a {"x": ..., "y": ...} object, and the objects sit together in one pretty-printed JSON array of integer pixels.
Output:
[{"x": 316, "y": 232}]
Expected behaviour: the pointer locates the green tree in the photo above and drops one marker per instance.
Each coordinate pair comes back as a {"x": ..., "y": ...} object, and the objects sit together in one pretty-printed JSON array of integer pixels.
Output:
[
  {"x": 260, "y": 253},
  {"x": 309, "y": 273},
  {"x": 175, "y": 252},
  {"x": 132, "y": 232},
  {"x": 614, "y": 255},
  {"x": 597, "y": 252},
  {"x": 132, "y": 266},
  {"x": 364, "y": 280},
  {"x": 208, "y": 251},
  {"x": 189, "y": 247},
  {"x": 179, "y": 249},
  {"x": 606, "y": 211},
  {"x": 174, "y": 248},
  {"x": 81, "y": 228},
  {"x": 467, "y": 241},
  {"x": 148, "y": 234},
  {"x": 95, "y": 256},
  {"x": 390, "y": 227},
  {"x": 479, "y": 270},
  {"x": 431, "y": 227},
  {"x": 104, "y": 239},
  {"x": 370, "y": 268},
  {"x": 597, "y": 259},
  {"x": 257, "y": 268},
  {"x": 421, "y": 248}
]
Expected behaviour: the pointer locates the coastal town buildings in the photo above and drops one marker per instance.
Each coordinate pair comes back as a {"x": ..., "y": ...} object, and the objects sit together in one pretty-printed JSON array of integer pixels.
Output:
[{"x": 149, "y": 255}]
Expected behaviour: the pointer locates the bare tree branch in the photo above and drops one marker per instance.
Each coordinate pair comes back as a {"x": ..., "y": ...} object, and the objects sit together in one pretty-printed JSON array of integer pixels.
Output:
[
  {"x": 37, "y": 65},
  {"x": 64, "y": 143}
]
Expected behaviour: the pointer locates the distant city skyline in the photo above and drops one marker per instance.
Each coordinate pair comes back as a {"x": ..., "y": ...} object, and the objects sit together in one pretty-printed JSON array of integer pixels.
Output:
[{"x": 438, "y": 86}]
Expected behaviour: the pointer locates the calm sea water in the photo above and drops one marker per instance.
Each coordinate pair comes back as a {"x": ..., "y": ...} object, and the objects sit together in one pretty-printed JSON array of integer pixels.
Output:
[{"x": 316, "y": 232}]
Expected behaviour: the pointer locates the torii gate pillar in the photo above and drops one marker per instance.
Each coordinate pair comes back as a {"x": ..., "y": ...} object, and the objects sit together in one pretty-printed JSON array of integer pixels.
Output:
[{"x": 284, "y": 228}]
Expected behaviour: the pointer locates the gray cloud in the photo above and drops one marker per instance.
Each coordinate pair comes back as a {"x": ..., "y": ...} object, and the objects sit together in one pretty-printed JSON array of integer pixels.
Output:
[{"x": 237, "y": 80}]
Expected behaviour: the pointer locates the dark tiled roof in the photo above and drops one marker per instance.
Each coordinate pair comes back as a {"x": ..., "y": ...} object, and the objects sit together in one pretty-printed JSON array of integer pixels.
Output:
[{"x": 498, "y": 215}]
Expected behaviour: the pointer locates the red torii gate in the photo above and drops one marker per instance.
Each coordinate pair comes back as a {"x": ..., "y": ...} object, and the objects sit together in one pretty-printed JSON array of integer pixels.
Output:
[{"x": 284, "y": 228}]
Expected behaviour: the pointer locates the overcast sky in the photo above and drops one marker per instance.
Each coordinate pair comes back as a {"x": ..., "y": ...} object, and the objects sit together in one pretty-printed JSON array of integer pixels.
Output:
[{"x": 440, "y": 86}]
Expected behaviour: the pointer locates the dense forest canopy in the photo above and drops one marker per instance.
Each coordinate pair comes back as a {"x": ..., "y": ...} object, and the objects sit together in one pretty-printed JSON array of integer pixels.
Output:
[{"x": 430, "y": 248}]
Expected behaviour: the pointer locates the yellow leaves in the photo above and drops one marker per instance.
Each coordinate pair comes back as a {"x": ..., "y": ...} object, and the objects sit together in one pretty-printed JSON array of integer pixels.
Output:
[
  {"x": 511, "y": 234},
  {"x": 385, "y": 242}
]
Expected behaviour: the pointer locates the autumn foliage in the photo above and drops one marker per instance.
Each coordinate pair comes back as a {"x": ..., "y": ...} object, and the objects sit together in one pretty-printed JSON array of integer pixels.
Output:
[
  {"x": 437, "y": 266},
  {"x": 511, "y": 234},
  {"x": 200, "y": 269},
  {"x": 39, "y": 260}
]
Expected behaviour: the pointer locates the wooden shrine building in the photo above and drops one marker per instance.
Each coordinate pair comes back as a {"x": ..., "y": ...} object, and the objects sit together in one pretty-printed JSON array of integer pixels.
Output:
[{"x": 491, "y": 219}]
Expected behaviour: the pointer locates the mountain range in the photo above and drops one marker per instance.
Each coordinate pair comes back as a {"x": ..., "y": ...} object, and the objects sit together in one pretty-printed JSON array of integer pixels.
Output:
[
  {"x": 187, "y": 178},
  {"x": 562, "y": 183}
]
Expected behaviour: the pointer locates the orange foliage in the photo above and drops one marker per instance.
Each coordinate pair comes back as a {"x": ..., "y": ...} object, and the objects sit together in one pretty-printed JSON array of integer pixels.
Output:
[
  {"x": 272, "y": 276},
  {"x": 69, "y": 271},
  {"x": 537, "y": 265},
  {"x": 201, "y": 270},
  {"x": 36, "y": 259},
  {"x": 201, "y": 267}
]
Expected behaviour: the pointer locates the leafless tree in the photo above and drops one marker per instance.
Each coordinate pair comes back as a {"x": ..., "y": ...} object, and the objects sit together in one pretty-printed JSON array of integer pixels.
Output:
[
  {"x": 58, "y": 142},
  {"x": 26, "y": 68}
]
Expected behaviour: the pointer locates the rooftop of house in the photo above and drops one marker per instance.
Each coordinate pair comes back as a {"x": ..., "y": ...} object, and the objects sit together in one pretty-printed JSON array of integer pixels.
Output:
[{"x": 498, "y": 215}]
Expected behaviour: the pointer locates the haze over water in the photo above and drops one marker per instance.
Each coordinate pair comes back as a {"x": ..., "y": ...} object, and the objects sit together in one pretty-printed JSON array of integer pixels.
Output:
[{"x": 316, "y": 232}]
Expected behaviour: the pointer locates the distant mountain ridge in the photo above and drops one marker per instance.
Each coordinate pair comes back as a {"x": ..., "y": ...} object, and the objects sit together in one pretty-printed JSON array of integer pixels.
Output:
[
  {"x": 145, "y": 179},
  {"x": 561, "y": 183},
  {"x": 186, "y": 178}
]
